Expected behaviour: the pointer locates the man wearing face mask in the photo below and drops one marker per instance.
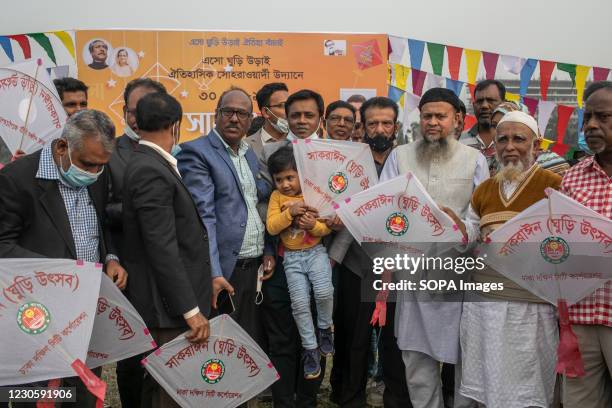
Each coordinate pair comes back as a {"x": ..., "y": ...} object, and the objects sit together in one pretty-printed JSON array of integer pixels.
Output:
[
  {"x": 353, "y": 314},
  {"x": 57, "y": 190},
  {"x": 168, "y": 244},
  {"x": 271, "y": 100},
  {"x": 339, "y": 120}
]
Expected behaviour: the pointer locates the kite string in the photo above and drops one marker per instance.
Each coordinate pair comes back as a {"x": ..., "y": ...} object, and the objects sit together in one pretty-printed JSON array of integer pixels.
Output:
[{"x": 27, "y": 118}]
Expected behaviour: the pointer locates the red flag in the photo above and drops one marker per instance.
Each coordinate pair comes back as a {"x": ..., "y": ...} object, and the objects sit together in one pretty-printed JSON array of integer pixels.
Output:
[
  {"x": 469, "y": 122},
  {"x": 472, "y": 91},
  {"x": 418, "y": 80},
  {"x": 560, "y": 148},
  {"x": 490, "y": 63},
  {"x": 532, "y": 104},
  {"x": 600, "y": 74},
  {"x": 454, "y": 60},
  {"x": 563, "y": 116},
  {"x": 24, "y": 43},
  {"x": 546, "y": 69}
]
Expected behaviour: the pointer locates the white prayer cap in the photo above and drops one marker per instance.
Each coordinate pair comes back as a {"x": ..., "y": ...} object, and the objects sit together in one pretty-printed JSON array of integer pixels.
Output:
[{"x": 520, "y": 117}]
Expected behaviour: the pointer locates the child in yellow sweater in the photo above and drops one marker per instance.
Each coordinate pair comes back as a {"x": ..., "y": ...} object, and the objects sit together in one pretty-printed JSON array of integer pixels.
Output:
[{"x": 305, "y": 260}]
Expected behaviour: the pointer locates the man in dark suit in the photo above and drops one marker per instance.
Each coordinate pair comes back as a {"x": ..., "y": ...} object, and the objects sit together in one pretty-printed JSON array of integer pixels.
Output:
[
  {"x": 166, "y": 245},
  {"x": 60, "y": 189},
  {"x": 130, "y": 372},
  {"x": 222, "y": 175}
]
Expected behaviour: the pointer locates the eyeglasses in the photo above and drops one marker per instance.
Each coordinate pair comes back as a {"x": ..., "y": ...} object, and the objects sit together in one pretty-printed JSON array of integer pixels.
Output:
[
  {"x": 336, "y": 119},
  {"x": 386, "y": 124},
  {"x": 228, "y": 113}
]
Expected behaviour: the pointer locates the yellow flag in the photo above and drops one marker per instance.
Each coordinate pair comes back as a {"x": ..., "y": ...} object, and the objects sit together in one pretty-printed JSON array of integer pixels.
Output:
[
  {"x": 66, "y": 39},
  {"x": 545, "y": 143},
  {"x": 513, "y": 97},
  {"x": 401, "y": 76},
  {"x": 473, "y": 61},
  {"x": 401, "y": 101},
  {"x": 582, "y": 73}
]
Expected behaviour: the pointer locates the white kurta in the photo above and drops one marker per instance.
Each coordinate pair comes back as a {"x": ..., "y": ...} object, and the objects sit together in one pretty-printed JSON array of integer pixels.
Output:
[{"x": 508, "y": 348}]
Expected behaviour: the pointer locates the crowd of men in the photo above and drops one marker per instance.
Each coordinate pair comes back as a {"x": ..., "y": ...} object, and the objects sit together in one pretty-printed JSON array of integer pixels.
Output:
[{"x": 181, "y": 228}]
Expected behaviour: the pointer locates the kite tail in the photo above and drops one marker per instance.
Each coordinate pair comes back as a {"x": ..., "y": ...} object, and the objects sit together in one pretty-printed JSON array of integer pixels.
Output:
[
  {"x": 94, "y": 385},
  {"x": 569, "y": 361},
  {"x": 380, "y": 311},
  {"x": 47, "y": 403}
]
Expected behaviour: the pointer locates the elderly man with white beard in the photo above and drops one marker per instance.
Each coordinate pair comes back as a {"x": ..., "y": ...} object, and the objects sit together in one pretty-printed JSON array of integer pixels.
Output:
[
  {"x": 428, "y": 331},
  {"x": 508, "y": 338}
]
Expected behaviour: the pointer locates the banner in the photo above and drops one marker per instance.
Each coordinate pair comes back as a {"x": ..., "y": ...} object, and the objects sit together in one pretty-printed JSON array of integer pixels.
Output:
[{"x": 197, "y": 67}]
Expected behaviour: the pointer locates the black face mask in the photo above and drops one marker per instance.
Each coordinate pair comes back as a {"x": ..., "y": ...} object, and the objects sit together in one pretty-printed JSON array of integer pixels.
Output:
[{"x": 379, "y": 143}]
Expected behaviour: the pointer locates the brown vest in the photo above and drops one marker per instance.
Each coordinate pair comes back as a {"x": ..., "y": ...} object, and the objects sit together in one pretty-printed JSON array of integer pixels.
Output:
[{"x": 494, "y": 210}]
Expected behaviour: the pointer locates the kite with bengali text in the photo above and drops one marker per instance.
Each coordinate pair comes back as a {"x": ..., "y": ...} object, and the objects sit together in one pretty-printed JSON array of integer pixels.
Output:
[
  {"x": 560, "y": 251},
  {"x": 47, "y": 313},
  {"x": 331, "y": 170},
  {"x": 118, "y": 332},
  {"x": 224, "y": 372},
  {"x": 31, "y": 112},
  {"x": 367, "y": 54}
]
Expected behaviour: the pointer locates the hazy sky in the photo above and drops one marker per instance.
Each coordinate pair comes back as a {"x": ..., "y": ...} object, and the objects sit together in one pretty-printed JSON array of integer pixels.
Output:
[{"x": 565, "y": 31}]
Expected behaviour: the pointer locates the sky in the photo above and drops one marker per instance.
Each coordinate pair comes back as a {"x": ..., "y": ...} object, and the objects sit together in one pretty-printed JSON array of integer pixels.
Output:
[{"x": 576, "y": 32}]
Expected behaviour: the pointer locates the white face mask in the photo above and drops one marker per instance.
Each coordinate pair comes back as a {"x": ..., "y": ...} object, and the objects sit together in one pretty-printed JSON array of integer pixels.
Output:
[
  {"x": 130, "y": 132},
  {"x": 291, "y": 136},
  {"x": 281, "y": 124}
]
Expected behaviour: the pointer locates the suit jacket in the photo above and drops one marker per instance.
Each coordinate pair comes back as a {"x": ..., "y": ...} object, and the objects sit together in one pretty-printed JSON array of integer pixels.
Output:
[
  {"x": 33, "y": 218},
  {"x": 256, "y": 144},
  {"x": 209, "y": 173},
  {"x": 166, "y": 251},
  {"x": 124, "y": 148},
  {"x": 267, "y": 151}
]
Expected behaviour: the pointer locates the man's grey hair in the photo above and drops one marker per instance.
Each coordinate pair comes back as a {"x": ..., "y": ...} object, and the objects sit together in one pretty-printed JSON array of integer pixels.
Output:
[
  {"x": 91, "y": 44},
  {"x": 89, "y": 123}
]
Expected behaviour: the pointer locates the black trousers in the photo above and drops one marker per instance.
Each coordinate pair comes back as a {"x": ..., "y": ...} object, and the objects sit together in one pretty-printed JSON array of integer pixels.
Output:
[
  {"x": 285, "y": 347},
  {"x": 352, "y": 343},
  {"x": 130, "y": 375}
]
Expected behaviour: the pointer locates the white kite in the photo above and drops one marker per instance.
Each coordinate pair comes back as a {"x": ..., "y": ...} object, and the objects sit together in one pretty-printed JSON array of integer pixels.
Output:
[
  {"x": 559, "y": 250},
  {"x": 225, "y": 371},
  {"x": 31, "y": 112},
  {"x": 119, "y": 332},
  {"x": 47, "y": 312},
  {"x": 331, "y": 170}
]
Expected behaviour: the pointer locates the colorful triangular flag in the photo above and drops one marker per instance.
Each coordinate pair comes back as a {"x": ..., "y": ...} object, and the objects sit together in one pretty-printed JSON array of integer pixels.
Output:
[
  {"x": 401, "y": 76},
  {"x": 396, "y": 49},
  {"x": 564, "y": 113},
  {"x": 472, "y": 88},
  {"x": 513, "y": 64},
  {"x": 545, "y": 143},
  {"x": 490, "y": 63},
  {"x": 582, "y": 72},
  {"x": 455, "y": 86},
  {"x": 436, "y": 55},
  {"x": 569, "y": 68},
  {"x": 546, "y": 70},
  {"x": 531, "y": 103},
  {"x": 66, "y": 39},
  {"x": 416, "y": 49},
  {"x": 434, "y": 81},
  {"x": 411, "y": 103},
  {"x": 545, "y": 110},
  {"x": 473, "y": 61},
  {"x": 560, "y": 148},
  {"x": 44, "y": 42},
  {"x": 526, "y": 73},
  {"x": 454, "y": 61},
  {"x": 418, "y": 80},
  {"x": 24, "y": 43},
  {"x": 513, "y": 97},
  {"x": 395, "y": 93},
  {"x": 5, "y": 42},
  {"x": 600, "y": 74}
]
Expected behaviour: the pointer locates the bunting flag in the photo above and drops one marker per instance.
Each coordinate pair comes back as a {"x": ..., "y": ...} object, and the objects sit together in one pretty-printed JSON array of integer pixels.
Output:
[
  {"x": 5, "y": 42},
  {"x": 24, "y": 43},
  {"x": 434, "y": 81},
  {"x": 411, "y": 103},
  {"x": 580, "y": 114},
  {"x": 513, "y": 97},
  {"x": 563, "y": 116},
  {"x": 569, "y": 68},
  {"x": 545, "y": 143},
  {"x": 469, "y": 122},
  {"x": 454, "y": 61},
  {"x": 436, "y": 55},
  {"x": 531, "y": 103},
  {"x": 397, "y": 46},
  {"x": 490, "y": 63},
  {"x": 513, "y": 64},
  {"x": 66, "y": 39},
  {"x": 600, "y": 74},
  {"x": 416, "y": 49},
  {"x": 545, "y": 110},
  {"x": 546, "y": 70},
  {"x": 418, "y": 80},
  {"x": 472, "y": 89},
  {"x": 455, "y": 86},
  {"x": 44, "y": 42},
  {"x": 560, "y": 148},
  {"x": 401, "y": 76},
  {"x": 526, "y": 73},
  {"x": 473, "y": 60},
  {"x": 582, "y": 72},
  {"x": 395, "y": 93}
]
